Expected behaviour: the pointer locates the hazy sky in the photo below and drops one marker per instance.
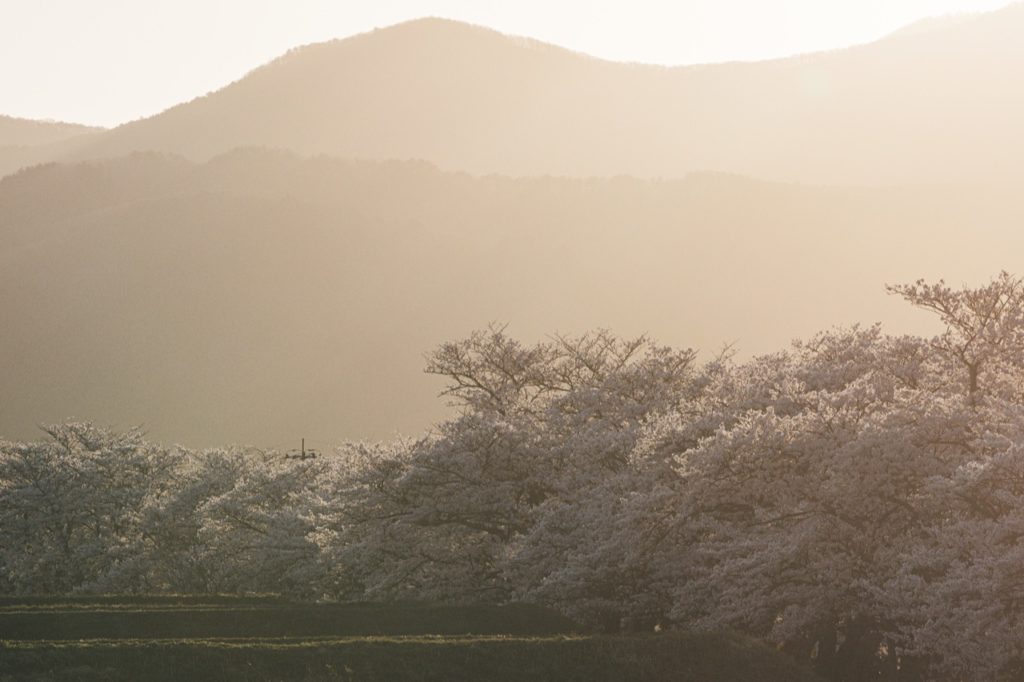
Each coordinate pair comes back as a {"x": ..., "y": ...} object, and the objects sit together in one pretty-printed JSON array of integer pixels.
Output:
[{"x": 108, "y": 61}]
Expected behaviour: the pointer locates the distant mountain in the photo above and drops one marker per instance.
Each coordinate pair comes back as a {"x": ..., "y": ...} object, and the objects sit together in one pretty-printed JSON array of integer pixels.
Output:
[
  {"x": 23, "y": 132},
  {"x": 937, "y": 105},
  {"x": 260, "y": 297},
  {"x": 25, "y": 142}
]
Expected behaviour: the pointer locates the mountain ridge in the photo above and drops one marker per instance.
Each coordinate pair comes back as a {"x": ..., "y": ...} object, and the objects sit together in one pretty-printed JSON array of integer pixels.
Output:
[
  {"x": 25, "y": 132},
  {"x": 470, "y": 98}
]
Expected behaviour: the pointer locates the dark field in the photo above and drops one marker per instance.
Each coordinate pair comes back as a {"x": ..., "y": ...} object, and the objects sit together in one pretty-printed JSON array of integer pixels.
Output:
[
  {"x": 222, "y": 638},
  {"x": 192, "y": 618}
]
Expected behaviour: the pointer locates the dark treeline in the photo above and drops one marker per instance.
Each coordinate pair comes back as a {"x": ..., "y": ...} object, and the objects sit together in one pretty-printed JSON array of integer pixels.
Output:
[{"x": 855, "y": 499}]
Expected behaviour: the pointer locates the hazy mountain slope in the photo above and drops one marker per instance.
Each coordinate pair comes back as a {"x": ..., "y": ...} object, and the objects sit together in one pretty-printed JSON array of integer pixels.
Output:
[
  {"x": 918, "y": 106},
  {"x": 25, "y": 132},
  {"x": 25, "y": 142},
  {"x": 260, "y": 297}
]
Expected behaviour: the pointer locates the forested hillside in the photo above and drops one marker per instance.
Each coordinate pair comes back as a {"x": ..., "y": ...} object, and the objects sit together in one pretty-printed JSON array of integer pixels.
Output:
[{"x": 260, "y": 297}]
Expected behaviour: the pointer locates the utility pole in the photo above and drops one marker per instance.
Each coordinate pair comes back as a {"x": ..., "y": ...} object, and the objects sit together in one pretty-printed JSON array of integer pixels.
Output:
[{"x": 302, "y": 454}]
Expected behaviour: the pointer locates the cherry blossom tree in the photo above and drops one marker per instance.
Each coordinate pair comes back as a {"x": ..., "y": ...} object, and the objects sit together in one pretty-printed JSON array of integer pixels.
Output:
[
  {"x": 70, "y": 506},
  {"x": 857, "y": 498}
]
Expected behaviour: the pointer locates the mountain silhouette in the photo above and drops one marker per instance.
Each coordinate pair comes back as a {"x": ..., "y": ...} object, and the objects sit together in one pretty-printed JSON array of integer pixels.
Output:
[{"x": 935, "y": 105}]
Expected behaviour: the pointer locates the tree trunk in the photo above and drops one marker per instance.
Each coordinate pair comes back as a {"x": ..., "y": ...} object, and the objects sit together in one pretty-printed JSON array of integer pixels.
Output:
[
  {"x": 972, "y": 383},
  {"x": 825, "y": 660}
]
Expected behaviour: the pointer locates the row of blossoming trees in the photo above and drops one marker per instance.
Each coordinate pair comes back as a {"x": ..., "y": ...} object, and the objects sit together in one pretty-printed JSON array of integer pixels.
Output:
[{"x": 858, "y": 498}]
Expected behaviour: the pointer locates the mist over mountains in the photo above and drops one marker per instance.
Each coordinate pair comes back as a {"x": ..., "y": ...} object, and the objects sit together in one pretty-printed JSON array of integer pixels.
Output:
[
  {"x": 24, "y": 142},
  {"x": 26, "y": 132},
  {"x": 929, "y": 105},
  {"x": 180, "y": 273},
  {"x": 260, "y": 294}
]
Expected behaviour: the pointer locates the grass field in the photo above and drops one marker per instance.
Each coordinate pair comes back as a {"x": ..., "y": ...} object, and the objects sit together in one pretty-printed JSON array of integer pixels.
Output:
[{"x": 264, "y": 639}]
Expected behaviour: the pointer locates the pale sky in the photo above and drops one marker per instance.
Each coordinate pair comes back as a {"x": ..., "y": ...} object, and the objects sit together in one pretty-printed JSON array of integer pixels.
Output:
[{"x": 104, "y": 62}]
